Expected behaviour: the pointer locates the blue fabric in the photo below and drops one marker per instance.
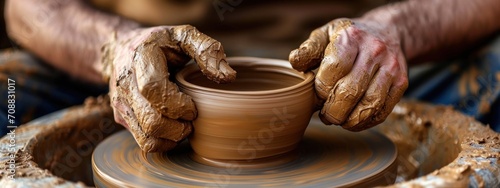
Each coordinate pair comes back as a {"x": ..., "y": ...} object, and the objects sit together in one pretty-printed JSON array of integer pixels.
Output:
[
  {"x": 471, "y": 84},
  {"x": 39, "y": 88}
]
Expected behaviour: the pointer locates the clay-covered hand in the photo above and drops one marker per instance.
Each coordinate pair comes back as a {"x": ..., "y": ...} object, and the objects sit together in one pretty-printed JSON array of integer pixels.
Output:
[
  {"x": 362, "y": 71},
  {"x": 143, "y": 97}
]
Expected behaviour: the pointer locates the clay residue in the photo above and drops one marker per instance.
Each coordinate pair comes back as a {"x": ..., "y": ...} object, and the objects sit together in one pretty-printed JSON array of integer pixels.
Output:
[
  {"x": 464, "y": 151},
  {"x": 56, "y": 151},
  {"x": 144, "y": 99},
  {"x": 311, "y": 52},
  {"x": 455, "y": 149},
  {"x": 326, "y": 157}
]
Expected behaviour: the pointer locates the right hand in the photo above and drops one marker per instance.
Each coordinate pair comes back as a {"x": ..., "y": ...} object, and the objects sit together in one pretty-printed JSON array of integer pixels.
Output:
[
  {"x": 362, "y": 71},
  {"x": 143, "y": 98}
]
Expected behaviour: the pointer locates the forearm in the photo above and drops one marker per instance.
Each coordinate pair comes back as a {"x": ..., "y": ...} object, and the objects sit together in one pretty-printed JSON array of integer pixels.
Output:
[
  {"x": 65, "y": 33},
  {"x": 429, "y": 27}
]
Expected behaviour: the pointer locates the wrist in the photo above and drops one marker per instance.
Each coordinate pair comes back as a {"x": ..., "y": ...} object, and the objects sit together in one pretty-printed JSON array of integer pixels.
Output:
[
  {"x": 120, "y": 30},
  {"x": 390, "y": 20}
]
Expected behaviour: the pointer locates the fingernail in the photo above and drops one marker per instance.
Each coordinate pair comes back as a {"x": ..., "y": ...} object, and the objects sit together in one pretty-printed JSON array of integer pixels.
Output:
[
  {"x": 226, "y": 74},
  {"x": 190, "y": 115},
  {"x": 322, "y": 90},
  {"x": 324, "y": 120},
  {"x": 329, "y": 116},
  {"x": 295, "y": 59}
]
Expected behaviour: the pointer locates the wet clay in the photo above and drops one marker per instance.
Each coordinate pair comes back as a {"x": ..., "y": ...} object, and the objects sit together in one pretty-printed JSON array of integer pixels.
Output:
[
  {"x": 311, "y": 52},
  {"x": 137, "y": 65},
  {"x": 437, "y": 146},
  {"x": 453, "y": 150},
  {"x": 57, "y": 151},
  {"x": 262, "y": 114},
  {"x": 326, "y": 157},
  {"x": 355, "y": 95}
]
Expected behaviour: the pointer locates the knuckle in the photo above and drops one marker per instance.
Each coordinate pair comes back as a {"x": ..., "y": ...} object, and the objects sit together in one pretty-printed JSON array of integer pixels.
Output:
[
  {"x": 148, "y": 120},
  {"x": 114, "y": 102},
  {"x": 318, "y": 31},
  {"x": 378, "y": 47},
  {"x": 330, "y": 60},
  {"x": 184, "y": 27},
  {"x": 337, "y": 25},
  {"x": 216, "y": 45},
  {"x": 394, "y": 64},
  {"x": 372, "y": 101},
  {"x": 343, "y": 22},
  {"x": 116, "y": 116},
  {"x": 332, "y": 117},
  {"x": 348, "y": 91},
  {"x": 322, "y": 90},
  {"x": 355, "y": 32},
  {"x": 403, "y": 82}
]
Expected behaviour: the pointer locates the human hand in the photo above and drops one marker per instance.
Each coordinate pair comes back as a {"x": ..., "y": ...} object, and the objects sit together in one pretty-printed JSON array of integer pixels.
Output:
[
  {"x": 362, "y": 71},
  {"x": 143, "y": 99}
]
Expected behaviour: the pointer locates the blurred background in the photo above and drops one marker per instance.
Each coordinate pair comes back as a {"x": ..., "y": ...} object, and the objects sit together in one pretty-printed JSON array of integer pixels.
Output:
[{"x": 260, "y": 28}]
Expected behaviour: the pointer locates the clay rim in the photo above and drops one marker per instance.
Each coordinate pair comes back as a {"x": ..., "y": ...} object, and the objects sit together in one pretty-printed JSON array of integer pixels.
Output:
[{"x": 254, "y": 62}]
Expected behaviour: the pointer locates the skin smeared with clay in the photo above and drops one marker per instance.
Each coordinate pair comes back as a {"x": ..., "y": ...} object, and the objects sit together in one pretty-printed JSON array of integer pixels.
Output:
[
  {"x": 363, "y": 62},
  {"x": 144, "y": 99},
  {"x": 356, "y": 65},
  {"x": 468, "y": 151},
  {"x": 134, "y": 61}
]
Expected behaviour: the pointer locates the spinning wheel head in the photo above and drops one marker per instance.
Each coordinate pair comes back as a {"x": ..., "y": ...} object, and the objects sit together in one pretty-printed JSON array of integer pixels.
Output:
[{"x": 325, "y": 157}]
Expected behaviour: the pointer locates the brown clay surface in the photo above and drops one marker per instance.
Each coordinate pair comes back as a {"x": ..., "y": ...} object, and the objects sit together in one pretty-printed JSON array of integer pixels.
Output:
[
  {"x": 56, "y": 151},
  {"x": 326, "y": 157},
  {"x": 263, "y": 113},
  {"x": 437, "y": 146},
  {"x": 442, "y": 148}
]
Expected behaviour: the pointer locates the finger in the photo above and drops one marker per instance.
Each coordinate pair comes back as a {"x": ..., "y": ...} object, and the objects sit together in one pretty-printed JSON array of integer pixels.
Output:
[
  {"x": 208, "y": 53},
  {"x": 152, "y": 80},
  {"x": 118, "y": 110},
  {"x": 338, "y": 61},
  {"x": 310, "y": 53},
  {"x": 146, "y": 143},
  {"x": 116, "y": 103},
  {"x": 324, "y": 120},
  {"x": 349, "y": 89},
  {"x": 395, "y": 94},
  {"x": 125, "y": 116},
  {"x": 363, "y": 115},
  {"x": 398, "y": 88},
  {"x": 152, "y": 122},
  {"x": 149, "y": 119},
  {"x": 396, "y": 74}
]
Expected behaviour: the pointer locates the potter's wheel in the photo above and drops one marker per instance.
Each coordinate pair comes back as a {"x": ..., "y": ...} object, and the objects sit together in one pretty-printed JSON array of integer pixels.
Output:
[{"x": 326, "y": 157}]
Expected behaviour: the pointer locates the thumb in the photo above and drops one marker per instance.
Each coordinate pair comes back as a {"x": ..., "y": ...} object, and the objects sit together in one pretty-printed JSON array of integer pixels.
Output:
[{"x": 310, "y": 53}]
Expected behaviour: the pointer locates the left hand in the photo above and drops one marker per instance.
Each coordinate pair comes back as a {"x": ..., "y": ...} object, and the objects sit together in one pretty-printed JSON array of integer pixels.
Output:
[
  {"x": 144, "y": 99},
  {"x": 362, "y": 71}
]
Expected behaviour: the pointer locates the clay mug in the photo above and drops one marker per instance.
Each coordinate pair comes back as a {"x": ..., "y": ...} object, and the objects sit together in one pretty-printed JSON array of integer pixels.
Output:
[{"x": 263, "y": 113}]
